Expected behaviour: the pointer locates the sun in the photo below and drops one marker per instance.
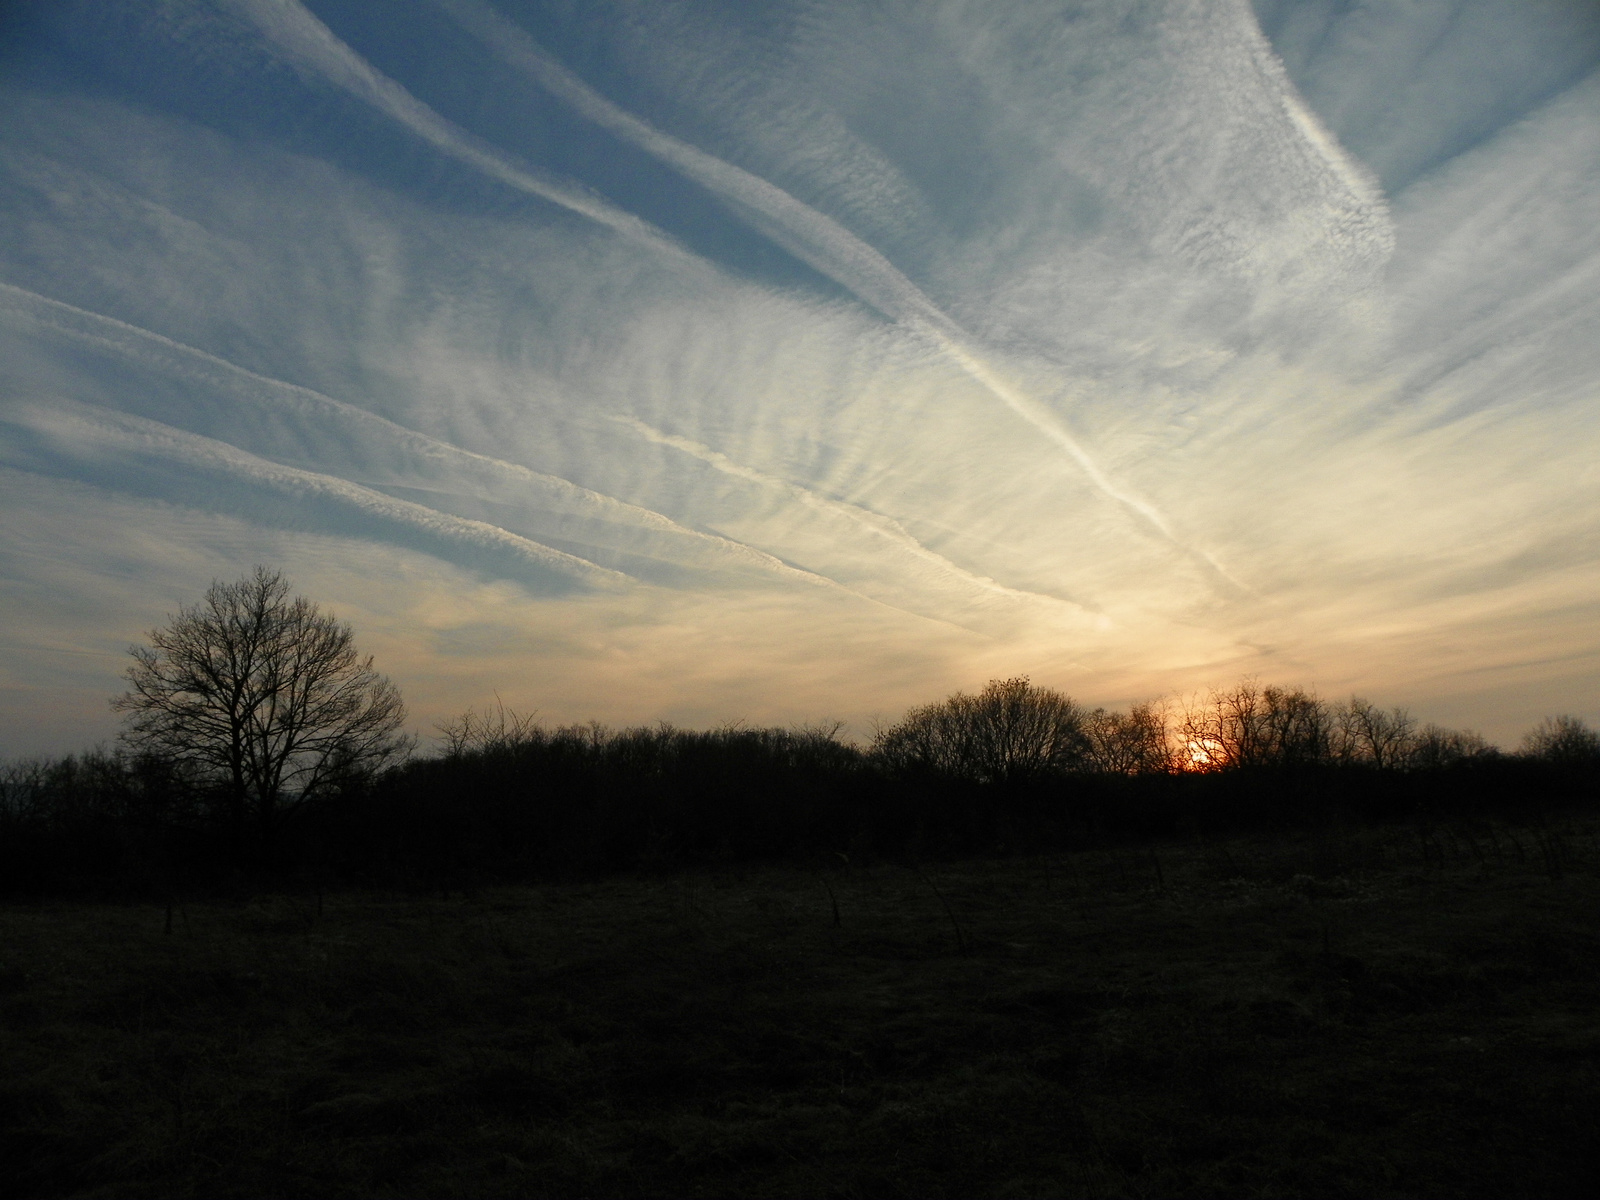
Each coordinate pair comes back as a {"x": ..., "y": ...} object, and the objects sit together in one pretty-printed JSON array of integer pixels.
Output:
[{"x": 1204, "y": 754}]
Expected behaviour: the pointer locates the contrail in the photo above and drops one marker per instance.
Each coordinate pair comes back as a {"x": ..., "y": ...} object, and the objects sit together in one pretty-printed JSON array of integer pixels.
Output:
[
  {"x": 1361, "y": 183},
  {"x": 309, "y": 44},
  {"x": 362, "y": 428},
  {"x": 884, "y": 527},
  {"x": 263, "y": 393},
  {"x": 89, "y": 432},
  {"x": 812, "y": 236}
]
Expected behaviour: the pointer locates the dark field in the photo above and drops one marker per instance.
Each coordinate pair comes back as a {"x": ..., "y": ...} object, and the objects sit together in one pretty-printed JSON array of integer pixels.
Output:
[{"x": 1390, "y": 1012}]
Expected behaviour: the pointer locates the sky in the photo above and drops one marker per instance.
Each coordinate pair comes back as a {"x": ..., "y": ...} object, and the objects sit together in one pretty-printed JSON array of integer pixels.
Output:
[{"x": 806, "y": 360}]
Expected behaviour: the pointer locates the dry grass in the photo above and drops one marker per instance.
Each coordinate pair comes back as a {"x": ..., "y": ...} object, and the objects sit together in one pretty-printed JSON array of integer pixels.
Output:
[{"x": 1405, "y": 1012}]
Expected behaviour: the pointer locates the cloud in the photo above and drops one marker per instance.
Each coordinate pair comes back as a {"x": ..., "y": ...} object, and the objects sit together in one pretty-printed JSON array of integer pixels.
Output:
[
  {"x": 1409, "y": 85},
  {"x": 1147, "y": 345},
  {"x": 57, "y": 436},
  {"x": 309, "y": 45},
  {"x": 810, "y": 235},
  {"x": 1500, "y": 271},
  {"x": 292, "y": 424}
]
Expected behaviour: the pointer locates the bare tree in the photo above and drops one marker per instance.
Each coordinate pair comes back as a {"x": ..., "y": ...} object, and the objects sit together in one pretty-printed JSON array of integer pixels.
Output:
[
  {"x": 1366, "y": 735},
  {"x": 1254, "y": 726},
  {"x": 1008, "y": 732},
  {"x": 1225, "y": 730},
  {"x": 1131, "y": 743},
  {"x": 1563, "y": 739},
  {"x": 1435, "y": 748},
  {"x": 492, "y": 731},
  {"x": 264, "y": 695}
]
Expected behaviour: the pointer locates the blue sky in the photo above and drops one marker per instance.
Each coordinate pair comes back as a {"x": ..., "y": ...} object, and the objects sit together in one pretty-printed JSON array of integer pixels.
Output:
[{"x": 784, "y": 361}]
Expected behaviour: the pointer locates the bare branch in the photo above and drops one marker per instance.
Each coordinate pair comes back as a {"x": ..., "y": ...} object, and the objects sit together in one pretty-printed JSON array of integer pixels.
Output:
[{"x": 265, "y": 695}]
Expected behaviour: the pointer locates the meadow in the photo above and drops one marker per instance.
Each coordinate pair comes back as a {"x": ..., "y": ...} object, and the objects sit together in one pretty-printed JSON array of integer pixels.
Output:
[{"x": 1401, "y": 1009}]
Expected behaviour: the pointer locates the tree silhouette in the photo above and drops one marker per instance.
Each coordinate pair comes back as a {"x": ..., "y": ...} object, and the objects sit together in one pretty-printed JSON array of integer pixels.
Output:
[
  {"x": 1009, "y": 732},
  {"x": 1435, "y": 748},
  {"x": 1367, "y": 735},
  {"x": 264, "y": 696},
  {"x": 1251, "y": 726},
  {"x": 1564, "y": 739},
  {"x": 1131, "y": 743}
]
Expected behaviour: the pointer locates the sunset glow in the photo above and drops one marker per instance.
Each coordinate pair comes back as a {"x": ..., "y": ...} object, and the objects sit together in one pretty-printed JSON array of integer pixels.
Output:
[{"x": 1203, "y": 756}]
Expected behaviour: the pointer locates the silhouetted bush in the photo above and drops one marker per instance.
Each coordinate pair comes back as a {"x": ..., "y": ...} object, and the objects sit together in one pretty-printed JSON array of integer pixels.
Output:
[
  {"x": 1563, "y": 741},
  {"x": 1010, "y": 734},
  {"x": 100, "y": 821},
  {"x": 512, "y": 800}
]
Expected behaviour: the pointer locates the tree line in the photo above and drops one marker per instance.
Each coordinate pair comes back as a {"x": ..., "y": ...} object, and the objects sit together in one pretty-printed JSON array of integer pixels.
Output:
[{"x": 259, "y": 744}]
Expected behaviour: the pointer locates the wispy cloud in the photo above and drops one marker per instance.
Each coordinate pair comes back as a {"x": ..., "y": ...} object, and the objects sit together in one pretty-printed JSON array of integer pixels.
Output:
[
  {"x": 811, "y": 236},
  {"x": 150, "y": 458},
  {"x": 1143, "y": 348},
  {"x": 295, "y": 424},
  {"x": 888, "y": 537},
  {"x": 310, "y": 45}
]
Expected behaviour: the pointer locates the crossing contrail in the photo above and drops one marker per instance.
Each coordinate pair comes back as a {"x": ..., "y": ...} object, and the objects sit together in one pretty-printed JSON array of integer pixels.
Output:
[{"x": 811, "y": 236}]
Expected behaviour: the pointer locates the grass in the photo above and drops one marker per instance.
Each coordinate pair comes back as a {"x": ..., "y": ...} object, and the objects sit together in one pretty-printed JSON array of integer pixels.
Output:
[{"x": 1398, "y": 1012}]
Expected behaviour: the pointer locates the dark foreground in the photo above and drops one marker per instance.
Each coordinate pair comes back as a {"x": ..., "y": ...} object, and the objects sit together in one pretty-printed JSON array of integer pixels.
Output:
[{"x": 1397, "y": 1012}]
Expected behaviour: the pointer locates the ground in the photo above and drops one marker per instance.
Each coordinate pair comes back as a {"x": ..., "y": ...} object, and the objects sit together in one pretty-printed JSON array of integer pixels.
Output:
[{"x": 1407, "y": 1011}]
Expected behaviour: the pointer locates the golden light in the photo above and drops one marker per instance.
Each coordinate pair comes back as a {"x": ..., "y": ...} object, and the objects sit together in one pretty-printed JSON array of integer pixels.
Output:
[{"x": 1205, "y": 754}]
